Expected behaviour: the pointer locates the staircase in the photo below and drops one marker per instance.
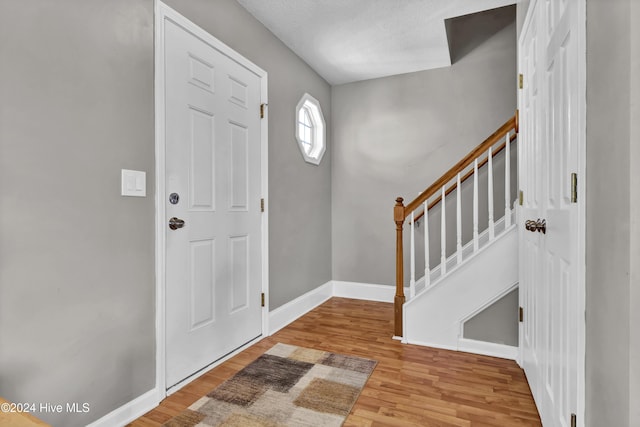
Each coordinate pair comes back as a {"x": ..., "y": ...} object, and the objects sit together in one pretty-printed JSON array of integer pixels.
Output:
[{"x": 473, "y": 274}]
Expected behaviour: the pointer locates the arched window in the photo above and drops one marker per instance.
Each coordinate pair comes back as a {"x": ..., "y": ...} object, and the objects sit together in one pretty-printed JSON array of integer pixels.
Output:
[{"x": 310, "y": 129}]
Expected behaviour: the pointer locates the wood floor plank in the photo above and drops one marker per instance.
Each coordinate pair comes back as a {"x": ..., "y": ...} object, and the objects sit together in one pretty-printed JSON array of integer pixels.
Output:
[{"x": 411, "y": 385}]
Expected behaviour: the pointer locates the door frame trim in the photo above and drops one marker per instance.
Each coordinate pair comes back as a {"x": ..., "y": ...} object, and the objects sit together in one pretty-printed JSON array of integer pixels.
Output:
[
  {"x": 162, "y": 13},
  {"x": 581, "y": 117}
]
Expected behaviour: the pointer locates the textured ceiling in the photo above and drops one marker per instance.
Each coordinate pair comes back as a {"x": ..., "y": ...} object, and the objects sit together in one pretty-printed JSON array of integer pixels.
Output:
[{"x": 352, "y": 40}]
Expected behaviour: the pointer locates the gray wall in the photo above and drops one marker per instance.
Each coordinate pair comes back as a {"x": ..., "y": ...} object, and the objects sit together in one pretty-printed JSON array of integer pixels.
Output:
[
  {"x": 634, "y": 317},
  {"x": 77, "y": 311},
  {"x": 77, "y": 287},
  {"x": 491, "y": 324},
  {"x": 394, "y": 136},
  {"x": 608, "y": 229}
]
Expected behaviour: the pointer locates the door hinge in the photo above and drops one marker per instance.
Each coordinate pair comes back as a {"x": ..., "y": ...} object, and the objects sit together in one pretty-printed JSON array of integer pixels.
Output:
[
  {"x": 262, "y": 299},
  {"x": 574, "y": 420},
  {"x": 521, "y": 198},
  {"x": 521, "y": 314},
  {"x": 574, "y": 188},
  {"x": 520, "y": 81},
  {"x": 262, "y": 110},
  {"x": 261, "y": 205}
]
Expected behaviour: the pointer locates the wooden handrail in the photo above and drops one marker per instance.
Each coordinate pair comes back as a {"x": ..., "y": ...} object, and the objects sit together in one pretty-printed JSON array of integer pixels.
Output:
[
  {"x": 466, "y": 176},
  {"x": 459, "y": 167},
  {"x": 401, "y": 212}
]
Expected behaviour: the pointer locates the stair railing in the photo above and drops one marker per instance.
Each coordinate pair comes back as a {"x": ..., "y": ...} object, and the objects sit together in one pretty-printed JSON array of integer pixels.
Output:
[{"x": 451, "y": 180}]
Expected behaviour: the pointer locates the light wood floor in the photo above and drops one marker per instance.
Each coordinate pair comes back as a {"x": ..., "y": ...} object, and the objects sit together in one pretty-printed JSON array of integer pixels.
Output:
[{"x": 411, "y": 385}]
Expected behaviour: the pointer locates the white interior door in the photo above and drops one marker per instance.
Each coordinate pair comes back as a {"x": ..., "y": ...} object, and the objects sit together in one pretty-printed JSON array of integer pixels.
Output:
[
  {"x": 531, "y": 184},
  {"x": 213, "y": 184},
  {"x": 550, "y": 261},
  {"x": 559, "y": 371}
]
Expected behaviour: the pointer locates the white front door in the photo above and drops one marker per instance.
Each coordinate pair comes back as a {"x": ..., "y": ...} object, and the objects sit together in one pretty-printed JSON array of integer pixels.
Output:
[
  {"x": 551, "y": 259},
  {"x": 213, "y": 184}
]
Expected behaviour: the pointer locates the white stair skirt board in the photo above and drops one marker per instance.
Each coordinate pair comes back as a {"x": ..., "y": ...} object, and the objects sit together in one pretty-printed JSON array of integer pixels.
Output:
[
  {"x": 130, "y": 411},
  {"x": 434, "y": 317}
]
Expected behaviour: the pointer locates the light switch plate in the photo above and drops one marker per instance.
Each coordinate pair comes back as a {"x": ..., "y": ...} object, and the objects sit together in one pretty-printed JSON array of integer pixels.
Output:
[{"x": 134, "y": 183}]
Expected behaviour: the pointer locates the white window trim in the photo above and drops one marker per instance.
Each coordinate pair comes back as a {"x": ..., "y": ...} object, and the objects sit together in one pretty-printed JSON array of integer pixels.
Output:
[{"x": 319, "y": 137}]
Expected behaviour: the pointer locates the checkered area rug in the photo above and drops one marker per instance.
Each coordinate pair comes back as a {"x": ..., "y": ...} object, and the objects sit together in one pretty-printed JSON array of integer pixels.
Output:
[{"x": 286, "y": 386}]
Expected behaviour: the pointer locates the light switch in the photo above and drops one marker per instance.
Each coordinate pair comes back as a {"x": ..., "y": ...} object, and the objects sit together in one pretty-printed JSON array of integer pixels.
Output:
[{"x": 134, "y": 183}]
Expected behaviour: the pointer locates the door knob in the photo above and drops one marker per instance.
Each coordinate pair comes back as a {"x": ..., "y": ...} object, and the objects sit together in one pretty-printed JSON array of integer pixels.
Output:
[
  {"x": 175, "y": 223},
  {"x": 541, "y": 225},
  {"x": 537, "y": 225}
]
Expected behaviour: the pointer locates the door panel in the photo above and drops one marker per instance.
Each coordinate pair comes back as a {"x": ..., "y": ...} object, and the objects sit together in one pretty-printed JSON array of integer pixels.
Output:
[
  {"x": 550, "y": 280},
  {"x": 239, "y": 263},
  {"x": 561, "y": 54},
  {"x": 529, "y": 143},
  {"x": 202, "y": 283},
  {"x": 202, "y": 160},
  {"x": 239, "y": 176},
  {"x": 213, "y": 161}
]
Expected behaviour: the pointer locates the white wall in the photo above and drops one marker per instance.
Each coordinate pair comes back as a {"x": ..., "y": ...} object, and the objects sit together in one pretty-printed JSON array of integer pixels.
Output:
[{"x": 522, "y": 6}]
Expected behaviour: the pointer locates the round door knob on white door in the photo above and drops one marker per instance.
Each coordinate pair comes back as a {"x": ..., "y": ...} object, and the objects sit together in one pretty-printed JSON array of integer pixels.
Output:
[
  {"x": 538, "y": 225},
  {"x": 175, "y": 223}
]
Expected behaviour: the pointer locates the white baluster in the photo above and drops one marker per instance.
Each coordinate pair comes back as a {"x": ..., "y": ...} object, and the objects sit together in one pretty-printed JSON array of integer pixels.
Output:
[
  {"x": 475, "y": 206},
  {"x": 412, "y": 281},
  {"x": 443, "y": 237},
  {"x": 490, "y": 183},
  {"x": 427, "y": 270},
  {"x": 458, "y": 220},
  {"x": 507, "y": 182}
]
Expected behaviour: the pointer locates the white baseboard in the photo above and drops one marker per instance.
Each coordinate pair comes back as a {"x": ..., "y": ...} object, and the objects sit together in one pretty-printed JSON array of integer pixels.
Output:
[
  {"x": 285, "y": 314},
  {"x": 478, "y": 347},
  {"x": 364, "y": 291},
  {"x": 488, "y": 348},
  {"x": 432, "y": 345},
  {"x": 129, "y": 411}
]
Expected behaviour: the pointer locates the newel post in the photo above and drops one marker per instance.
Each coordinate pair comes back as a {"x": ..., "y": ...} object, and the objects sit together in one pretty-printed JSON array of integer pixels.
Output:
[{"x": 398, "y": 217}]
